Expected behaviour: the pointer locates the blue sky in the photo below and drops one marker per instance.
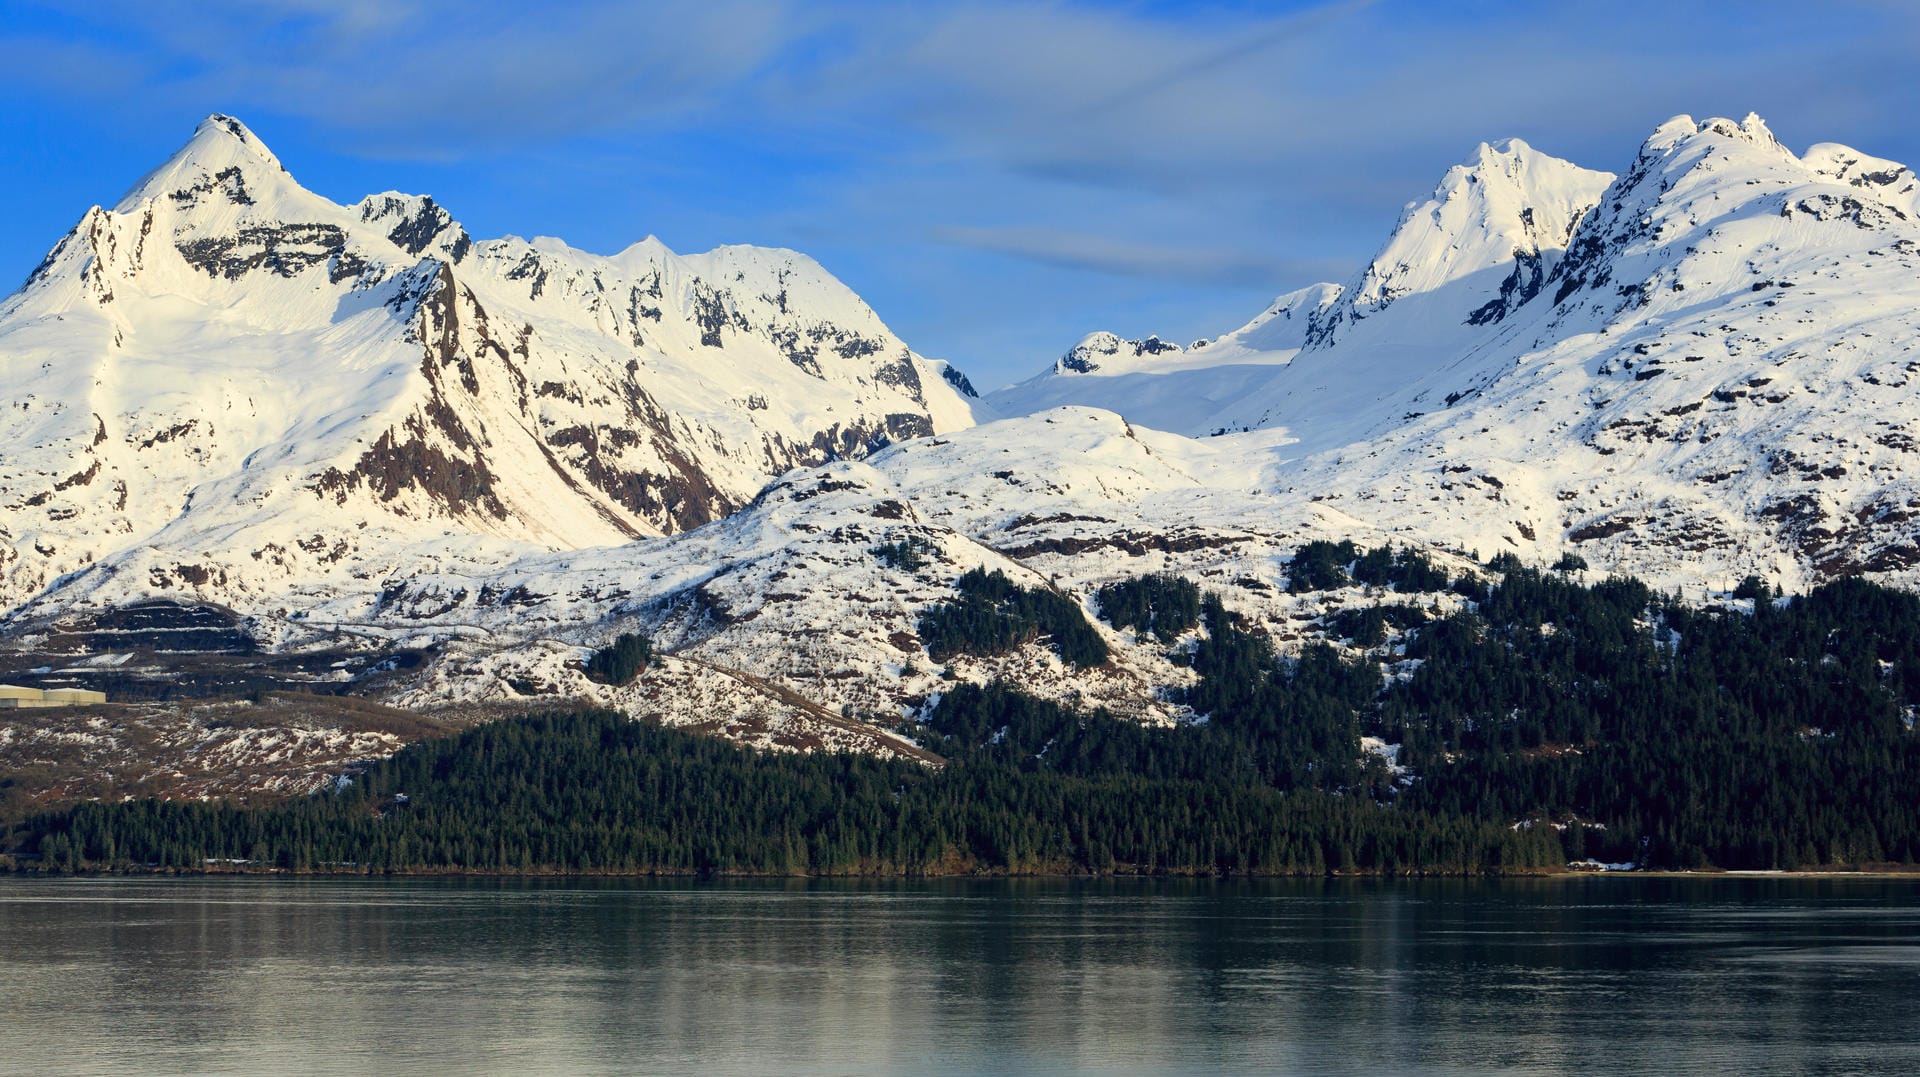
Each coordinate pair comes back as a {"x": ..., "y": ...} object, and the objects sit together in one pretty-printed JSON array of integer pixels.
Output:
[{"x": 996, "y": 179}]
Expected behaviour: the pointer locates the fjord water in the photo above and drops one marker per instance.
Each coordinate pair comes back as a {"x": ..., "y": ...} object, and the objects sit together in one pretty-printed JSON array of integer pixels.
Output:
[{"x": 251, "y": 975}]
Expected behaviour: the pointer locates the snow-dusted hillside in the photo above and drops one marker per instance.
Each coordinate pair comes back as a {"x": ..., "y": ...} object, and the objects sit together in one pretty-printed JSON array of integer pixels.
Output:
[
  {"x": 228, "y": 384},
  {"x": 785, "y": 624}
]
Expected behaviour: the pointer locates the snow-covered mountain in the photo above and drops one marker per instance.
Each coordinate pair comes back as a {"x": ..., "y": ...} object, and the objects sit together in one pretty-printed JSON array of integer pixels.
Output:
[
  {"x": 354, "y": 430},
  {"x": 1698, "y": 368},
  {"x": 229, "y": 383}
]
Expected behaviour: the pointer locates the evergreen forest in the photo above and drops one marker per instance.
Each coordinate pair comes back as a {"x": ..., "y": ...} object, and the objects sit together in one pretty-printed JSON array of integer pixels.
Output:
[{"x": 1536, "y": 719}]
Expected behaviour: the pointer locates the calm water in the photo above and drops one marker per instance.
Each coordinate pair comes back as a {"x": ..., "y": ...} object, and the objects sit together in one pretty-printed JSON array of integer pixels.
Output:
[{"x": 1546, "y": 976}]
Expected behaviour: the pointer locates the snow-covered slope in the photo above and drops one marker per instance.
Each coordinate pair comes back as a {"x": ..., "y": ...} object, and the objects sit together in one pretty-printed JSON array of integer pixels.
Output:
[
  {"x": 796, "y": 591},
  {"x": 1333, "y": 363},
  {"x": 1169, "y": 387},
  {"x": 229, "y": 383},
  {"x": 781, "y": 618}
]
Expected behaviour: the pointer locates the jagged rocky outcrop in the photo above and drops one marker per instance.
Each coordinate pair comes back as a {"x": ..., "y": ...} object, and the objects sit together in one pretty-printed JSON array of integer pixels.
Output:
[{"x": 1100, "y": 350}]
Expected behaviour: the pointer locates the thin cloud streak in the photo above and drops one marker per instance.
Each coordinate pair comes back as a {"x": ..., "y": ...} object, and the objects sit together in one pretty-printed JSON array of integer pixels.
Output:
[
  {"x": 1243, "y": 46},
  {"x": 1104, "y": 254}
]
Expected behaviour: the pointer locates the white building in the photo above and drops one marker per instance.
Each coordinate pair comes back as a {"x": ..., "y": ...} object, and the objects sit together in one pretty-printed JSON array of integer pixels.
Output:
[{"x": 14, "y": 697}]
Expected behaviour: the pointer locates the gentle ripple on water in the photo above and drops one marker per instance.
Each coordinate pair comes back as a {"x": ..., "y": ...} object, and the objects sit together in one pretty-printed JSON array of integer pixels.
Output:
[{"x": 1582, "y": 975}]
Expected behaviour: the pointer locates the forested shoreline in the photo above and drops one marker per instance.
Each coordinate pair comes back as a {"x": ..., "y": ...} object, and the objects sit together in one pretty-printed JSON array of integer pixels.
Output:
[
  {"x": 594, "y": 791},
  {"x": 1540, "y": 721}
]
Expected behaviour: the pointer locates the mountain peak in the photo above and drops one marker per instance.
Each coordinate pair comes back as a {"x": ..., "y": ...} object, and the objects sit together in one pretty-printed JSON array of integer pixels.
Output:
[
  {"x": 1102, "y": 350},
  {"x": 1756, "y": 128},
  {"x": 1512, "y": 160},
  {"x": 1501, "y": 149},
  {"x": 1506, "y": 201},
  {"x": 1680, "y": 130},
  {"x": 1891, "y": 180},
  {"x": 222, "y": 148},
  {"x": 218, "y": 126}
]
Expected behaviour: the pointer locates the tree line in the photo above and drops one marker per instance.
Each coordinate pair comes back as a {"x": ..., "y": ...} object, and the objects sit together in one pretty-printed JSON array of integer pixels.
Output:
[{"x": 595, "y": 791}]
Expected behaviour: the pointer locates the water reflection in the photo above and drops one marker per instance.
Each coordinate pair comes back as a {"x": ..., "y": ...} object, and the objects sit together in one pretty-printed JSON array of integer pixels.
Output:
[{"x": 1537, "y": 976}]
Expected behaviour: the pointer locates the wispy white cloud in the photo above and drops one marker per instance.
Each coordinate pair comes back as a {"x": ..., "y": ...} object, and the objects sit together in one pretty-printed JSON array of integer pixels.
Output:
[{"x": 1151, "y": 261}]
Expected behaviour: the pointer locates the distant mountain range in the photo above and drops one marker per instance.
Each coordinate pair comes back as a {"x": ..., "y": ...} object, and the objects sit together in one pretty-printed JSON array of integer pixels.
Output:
[{"x": 356, "y": 428}]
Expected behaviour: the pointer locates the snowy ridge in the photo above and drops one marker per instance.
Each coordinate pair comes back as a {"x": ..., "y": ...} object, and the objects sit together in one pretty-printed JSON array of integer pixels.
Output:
[
  {"x": 1166, "y": 386},
  {"x": 793, "y": 591},
  {"x": 1356, "y": 357}
]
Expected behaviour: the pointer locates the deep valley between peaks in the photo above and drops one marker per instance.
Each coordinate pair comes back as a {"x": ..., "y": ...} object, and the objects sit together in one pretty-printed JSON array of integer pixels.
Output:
[{"x": 1579, "y": 525}]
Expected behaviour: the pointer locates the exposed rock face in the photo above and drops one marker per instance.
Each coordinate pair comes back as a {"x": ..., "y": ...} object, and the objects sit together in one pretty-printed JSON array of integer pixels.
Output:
[{"x": 1099, "y": 351}]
